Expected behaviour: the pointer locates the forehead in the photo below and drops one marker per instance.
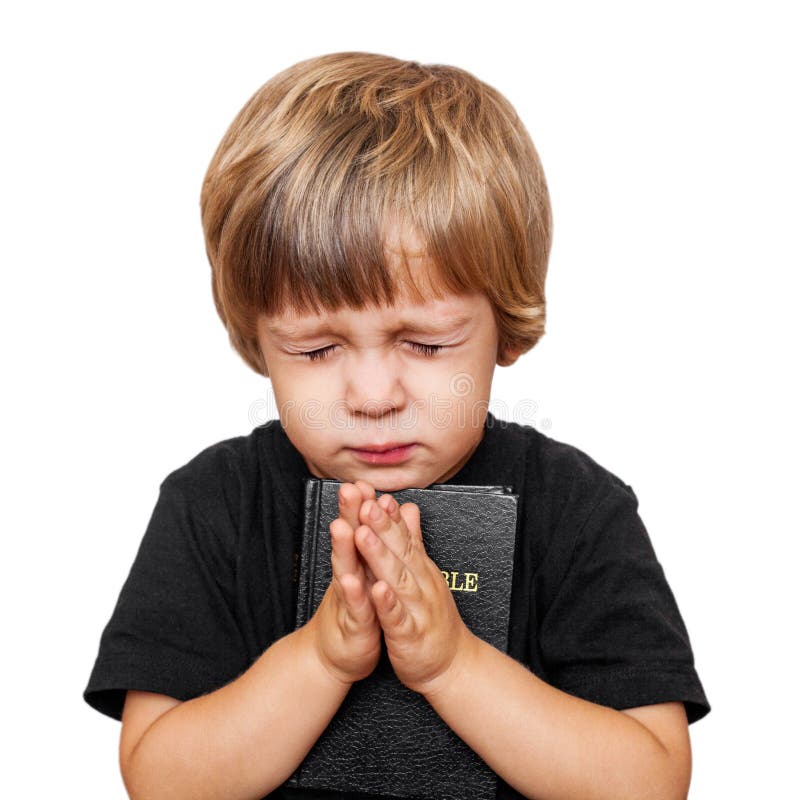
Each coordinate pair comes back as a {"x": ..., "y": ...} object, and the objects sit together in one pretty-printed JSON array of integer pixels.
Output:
[{"x": 449, "y": 312}]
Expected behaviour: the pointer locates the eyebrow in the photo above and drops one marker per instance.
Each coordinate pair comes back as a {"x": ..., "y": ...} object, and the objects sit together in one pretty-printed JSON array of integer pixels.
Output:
[{"x": 438, "y": 325}]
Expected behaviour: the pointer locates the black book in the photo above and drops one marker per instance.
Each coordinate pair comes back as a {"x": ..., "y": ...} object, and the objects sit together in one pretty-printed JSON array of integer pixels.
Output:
[{"x": 386, "y": 739}]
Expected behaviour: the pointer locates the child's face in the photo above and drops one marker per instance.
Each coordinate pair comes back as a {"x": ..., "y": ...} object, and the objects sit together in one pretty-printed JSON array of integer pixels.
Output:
[{"x": 372, "y": 383}]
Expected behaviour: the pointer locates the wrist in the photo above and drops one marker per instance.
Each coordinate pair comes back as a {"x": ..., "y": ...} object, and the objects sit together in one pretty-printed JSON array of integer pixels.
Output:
[
  {"x": 456, "y": 671},
  {"x": 313, "y": 655}
]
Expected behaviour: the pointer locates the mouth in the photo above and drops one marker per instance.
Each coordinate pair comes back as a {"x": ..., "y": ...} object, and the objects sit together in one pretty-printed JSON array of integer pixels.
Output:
[{"x": 391, "y": 453}]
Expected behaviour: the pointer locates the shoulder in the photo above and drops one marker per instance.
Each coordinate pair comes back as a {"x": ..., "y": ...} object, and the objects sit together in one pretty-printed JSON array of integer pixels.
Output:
[
  {"x": 218, "y": 462},
  {"x": 562, "y": 484},
  {"x": 222, "y": 473},
  {"x": 557, "y": 464}
]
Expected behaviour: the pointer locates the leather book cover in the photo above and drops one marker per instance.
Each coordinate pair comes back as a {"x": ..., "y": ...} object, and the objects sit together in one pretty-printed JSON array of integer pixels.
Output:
[{"x": 385, "y": 739}]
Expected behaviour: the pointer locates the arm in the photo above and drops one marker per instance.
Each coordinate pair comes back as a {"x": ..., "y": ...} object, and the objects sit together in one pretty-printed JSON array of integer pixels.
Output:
[
  {"x": 551, "y": 745},
  {"x": 546, "y": 743},
  {"x": 246, "y": 738}
]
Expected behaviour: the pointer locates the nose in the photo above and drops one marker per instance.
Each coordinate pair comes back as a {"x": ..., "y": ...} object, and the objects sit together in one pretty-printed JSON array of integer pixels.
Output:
[{"x": 374, "y": 385}]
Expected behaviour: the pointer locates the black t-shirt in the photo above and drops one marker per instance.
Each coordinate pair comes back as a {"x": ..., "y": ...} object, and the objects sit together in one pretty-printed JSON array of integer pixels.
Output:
[{"x": 212, "y": 584}]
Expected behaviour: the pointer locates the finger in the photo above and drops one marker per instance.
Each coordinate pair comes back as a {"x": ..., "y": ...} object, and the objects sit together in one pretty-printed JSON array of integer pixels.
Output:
[
  {"x": 406, "y": 540},
  {"x": 367, "y": 489},
  {"x": 411, "y": 520},
  {"x": 385, "y": 565},
  {"x": 344, "y": 556},
  {"x": 391, "y": 507},
  {"x": 350, "y": 500},
  {"x": 357, "y": 600},
  {"x": 392, "y": 614},
  {"x": 395, "y": 535},
  {"x": 409, "y": 513},
  {"x": 351, "y": 497}
]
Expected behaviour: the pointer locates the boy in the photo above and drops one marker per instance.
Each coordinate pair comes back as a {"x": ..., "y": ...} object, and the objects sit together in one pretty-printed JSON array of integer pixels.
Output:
[{"x": 378, "y": 232}]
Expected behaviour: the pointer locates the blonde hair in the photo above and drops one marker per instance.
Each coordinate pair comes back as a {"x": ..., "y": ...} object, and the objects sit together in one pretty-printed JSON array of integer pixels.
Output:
[{"x": 329, "y": 153}]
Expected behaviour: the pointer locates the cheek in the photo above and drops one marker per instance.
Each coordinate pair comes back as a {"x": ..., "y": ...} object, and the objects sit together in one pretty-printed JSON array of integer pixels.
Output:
[
  {"x": 300, "y": 383},
  {"x": 314, "y": 403},
  {"x": 468, "y": 378}
]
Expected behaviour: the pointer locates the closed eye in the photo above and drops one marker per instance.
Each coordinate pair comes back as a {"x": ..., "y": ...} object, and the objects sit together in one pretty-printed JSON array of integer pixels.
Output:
[
  {"x": 426, "y": 349},
  {"x": 314, "y": 355},
  {"x": 323, "y": 352}
]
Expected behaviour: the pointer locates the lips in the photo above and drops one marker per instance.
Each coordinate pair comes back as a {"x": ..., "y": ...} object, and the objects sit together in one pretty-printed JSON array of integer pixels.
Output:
[
  {"x": 389, "y": 453},
  {"x": 382, "y": 448}
]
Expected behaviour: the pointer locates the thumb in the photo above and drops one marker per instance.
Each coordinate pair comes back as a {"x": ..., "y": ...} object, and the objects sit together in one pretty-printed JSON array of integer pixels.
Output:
[{"x": 356, "y": 598}]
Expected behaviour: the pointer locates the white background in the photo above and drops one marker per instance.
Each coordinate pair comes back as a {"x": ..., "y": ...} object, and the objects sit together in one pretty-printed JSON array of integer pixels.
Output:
[{"x": 669, "y": 135}]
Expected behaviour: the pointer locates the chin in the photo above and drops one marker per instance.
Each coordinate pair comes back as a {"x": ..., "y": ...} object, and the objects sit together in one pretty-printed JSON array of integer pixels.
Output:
[{"x": 388, "y": 481}]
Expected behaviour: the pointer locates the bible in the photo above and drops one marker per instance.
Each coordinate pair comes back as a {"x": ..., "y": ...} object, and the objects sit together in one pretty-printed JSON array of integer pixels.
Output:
[{"x": 385, "y": 739}]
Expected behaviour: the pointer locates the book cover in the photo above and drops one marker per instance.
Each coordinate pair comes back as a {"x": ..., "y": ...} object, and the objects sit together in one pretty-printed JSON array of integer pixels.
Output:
[{"x": 385, "y": 739}]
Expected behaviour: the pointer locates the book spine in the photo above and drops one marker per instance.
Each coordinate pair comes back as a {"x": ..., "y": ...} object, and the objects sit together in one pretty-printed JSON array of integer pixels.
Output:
[
  {"x": 308, "y": 557},
  {"x": 308, "y": 569}
]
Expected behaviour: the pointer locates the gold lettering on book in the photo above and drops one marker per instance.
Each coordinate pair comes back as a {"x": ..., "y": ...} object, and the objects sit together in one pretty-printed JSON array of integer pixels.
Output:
[{"x": 458, "y": 582}]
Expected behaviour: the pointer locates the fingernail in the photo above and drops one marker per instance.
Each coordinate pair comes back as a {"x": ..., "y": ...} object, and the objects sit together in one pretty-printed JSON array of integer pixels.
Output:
[
  {"x": 375, "y": 512},
  {"x": 392, "y": 505}
]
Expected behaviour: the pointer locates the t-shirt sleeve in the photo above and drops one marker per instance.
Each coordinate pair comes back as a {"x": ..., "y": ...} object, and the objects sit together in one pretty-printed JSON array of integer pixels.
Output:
[
  {"x": 613, "y": 634},
  {"x": 173, "y": 630}
]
